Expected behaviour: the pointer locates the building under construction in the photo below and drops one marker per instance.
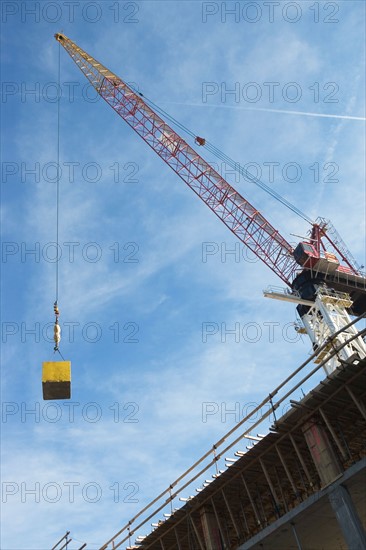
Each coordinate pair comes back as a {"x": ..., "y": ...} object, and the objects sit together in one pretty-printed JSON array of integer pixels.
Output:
[{"x": 301, "y": 486}]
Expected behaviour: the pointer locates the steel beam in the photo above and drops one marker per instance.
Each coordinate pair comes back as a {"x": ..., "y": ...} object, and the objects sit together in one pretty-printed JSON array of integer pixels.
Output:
[
  {"x": 284, "y": 465},
  {"x": 359, "y": 405},
  {"x": 333, "y": 434},
  {"x": 231, "y": 516},
  {"x": 302, "y": 462},
  {"x": 271, "y": 488},
  {"x": 198, "y": 536},
  {"x": 221, "y": 528},
  {"x": 177, "y": 539},
  {"x": 251, "y": 500}
]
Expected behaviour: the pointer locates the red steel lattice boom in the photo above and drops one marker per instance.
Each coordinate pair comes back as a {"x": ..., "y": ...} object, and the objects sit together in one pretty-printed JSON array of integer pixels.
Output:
[{"x": 243, "y": 219}]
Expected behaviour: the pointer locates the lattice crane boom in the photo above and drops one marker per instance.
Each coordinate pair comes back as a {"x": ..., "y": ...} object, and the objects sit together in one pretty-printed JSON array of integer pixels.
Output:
[
  {"x": 243, "y": 219},
  {"x": 303, "y": 268}
]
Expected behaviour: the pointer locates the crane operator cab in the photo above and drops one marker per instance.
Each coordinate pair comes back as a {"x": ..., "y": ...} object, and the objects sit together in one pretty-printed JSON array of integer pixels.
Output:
[{"x": 307, "y": 256}]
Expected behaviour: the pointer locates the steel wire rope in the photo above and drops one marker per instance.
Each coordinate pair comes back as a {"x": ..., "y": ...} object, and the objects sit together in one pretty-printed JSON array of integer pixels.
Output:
[
  {"x": 57, "y": 329},
  {"x": 222, "y": 156}
]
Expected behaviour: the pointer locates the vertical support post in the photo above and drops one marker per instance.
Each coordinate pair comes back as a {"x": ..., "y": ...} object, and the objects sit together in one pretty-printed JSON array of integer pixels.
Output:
[
  {"x": 231, "y": 515},
  {"x": 251, "y": 500},
  {"x": 321, "y": 451},
  {"x": 302, "y": 462},
  {"x": 333, "y": 434},
  {"x": 177, "y": 539},
  {"x": 223, "y": 533},
  {"x": 66, "y": 544},
  {"x": 198, "y": 536},
  {"x": 358, "y": 404},
  {"x": 348, "y": 518},
  {"x": 262, "y": 507},
  {"x": 296, "y": 536},
  {"x": 290, "y": 478},
  {"x": 61, "y": 539},
  {"x": 211, "y": 532},
  {"x": 245, "y": 517},
  {"x": 271, "y": 488}
]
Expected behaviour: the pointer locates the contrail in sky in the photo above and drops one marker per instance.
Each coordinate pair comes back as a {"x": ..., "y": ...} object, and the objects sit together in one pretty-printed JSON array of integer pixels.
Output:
[
  {"x": 304, "y": 113},
  {"x": 268, "y": 110}
]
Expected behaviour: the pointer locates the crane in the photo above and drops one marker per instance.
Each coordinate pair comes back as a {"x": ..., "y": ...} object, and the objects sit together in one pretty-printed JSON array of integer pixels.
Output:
[{"x": 321, "y": 275}]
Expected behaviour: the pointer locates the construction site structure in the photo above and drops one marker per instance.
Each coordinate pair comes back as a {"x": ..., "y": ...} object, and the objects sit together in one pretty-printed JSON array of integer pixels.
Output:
[{"x": 327, "y": 285}]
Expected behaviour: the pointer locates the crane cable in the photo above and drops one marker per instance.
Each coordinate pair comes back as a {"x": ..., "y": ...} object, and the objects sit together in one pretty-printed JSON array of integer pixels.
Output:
[
  {"x": 222, "y": 156},
  {"x": 248, "y": 175},
  {"x": 57, "y": 328}
]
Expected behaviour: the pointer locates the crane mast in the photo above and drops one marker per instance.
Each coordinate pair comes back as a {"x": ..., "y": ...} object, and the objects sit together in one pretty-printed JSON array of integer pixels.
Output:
[{"x": 324, "y": 289}]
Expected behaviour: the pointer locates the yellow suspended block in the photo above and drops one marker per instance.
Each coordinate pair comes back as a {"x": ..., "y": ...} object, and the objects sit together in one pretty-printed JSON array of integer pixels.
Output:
[{"x": 56, "y": 380}]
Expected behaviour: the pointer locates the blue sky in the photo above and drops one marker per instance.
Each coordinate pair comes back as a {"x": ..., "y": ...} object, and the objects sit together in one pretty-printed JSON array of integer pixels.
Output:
[{"x": 136, "y": 294}]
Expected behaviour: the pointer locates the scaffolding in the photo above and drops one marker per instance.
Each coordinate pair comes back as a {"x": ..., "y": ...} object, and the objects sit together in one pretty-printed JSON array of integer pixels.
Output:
[{"x": 230, "y": 500}]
